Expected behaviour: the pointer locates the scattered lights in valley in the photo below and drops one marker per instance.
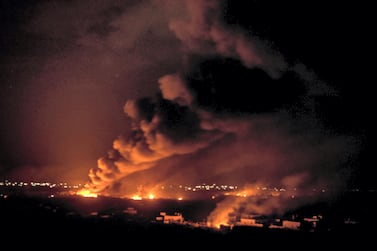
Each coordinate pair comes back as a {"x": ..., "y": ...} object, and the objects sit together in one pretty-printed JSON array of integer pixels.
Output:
[
  {"x": 178, "y": 192},
  {"x": 235, "y": 205},
  {"x": 63, "y": 185}
]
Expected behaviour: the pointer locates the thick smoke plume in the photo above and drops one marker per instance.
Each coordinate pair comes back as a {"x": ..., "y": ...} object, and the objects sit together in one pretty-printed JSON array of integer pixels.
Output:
[{"x": 235, "y": 112}]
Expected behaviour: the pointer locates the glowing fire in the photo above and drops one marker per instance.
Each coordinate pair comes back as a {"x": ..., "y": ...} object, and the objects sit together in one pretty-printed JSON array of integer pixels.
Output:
[
  {"x": 217, "y": 224},
  {"x": 219, "y": 217},
  {"x": 150, "y": 196},
  {"x": 87, "y": 193},
  {"x": 136, "y": 197}
]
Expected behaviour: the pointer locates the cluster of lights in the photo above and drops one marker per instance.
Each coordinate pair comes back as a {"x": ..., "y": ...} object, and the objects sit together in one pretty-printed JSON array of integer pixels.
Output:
[
  {"x": 150, "y": 196},
  {"x": 208, "y": 187},
  {"x": 227, "y": 189},
  {"x": 64, "y": 185}
]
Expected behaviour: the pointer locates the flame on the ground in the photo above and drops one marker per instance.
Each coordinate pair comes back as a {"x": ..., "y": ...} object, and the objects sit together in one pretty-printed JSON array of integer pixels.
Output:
[
  {"x": 87, "y": 193},
  {"x": 136, "y": 197},
  {"x": 217, "y": 225},
  {"x": 150, "y": 196}
]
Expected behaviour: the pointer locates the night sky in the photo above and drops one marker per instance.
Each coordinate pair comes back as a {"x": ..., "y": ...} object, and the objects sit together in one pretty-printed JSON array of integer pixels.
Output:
[{"x": 186, "y": 91}]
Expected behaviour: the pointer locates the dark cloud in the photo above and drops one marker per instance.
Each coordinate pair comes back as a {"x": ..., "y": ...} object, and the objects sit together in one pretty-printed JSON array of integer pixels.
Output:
[
  {"x": 204, "y": 32},
  {"x": 224, "y": 84}
]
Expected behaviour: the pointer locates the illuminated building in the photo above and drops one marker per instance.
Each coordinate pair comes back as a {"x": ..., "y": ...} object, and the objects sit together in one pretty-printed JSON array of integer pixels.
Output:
[
  {"x": 130, "y": 210},
  {"x": 168, "y": 219},
  {"x": 250, "y": 222},
  {"x": 295, "y": 225}
]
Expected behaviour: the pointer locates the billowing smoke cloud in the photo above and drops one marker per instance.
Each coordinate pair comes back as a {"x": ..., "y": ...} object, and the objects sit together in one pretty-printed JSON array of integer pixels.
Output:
[
  {"x": 235, "y": 112},
  {"x": 162, "y": 128},
  {"x": 258, "y": 200},
  {"x": 203, "y": 31}
]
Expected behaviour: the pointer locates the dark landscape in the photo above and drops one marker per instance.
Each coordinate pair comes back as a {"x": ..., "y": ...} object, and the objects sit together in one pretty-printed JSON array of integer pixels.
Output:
[{"x": 75, "y": 221}]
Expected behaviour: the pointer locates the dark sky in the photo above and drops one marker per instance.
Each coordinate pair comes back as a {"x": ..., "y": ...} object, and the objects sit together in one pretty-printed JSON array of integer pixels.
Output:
[{"x": 67, "y": 68}]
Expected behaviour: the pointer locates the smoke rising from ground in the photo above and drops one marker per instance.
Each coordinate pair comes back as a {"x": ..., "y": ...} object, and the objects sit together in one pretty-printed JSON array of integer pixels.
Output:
[{"x": 234, "y": 110}]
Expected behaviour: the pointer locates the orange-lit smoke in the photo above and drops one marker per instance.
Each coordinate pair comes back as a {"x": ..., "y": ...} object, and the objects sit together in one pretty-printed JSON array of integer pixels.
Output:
[
  {"x": 261, "y": 200},
  {"x": 220, "y": 216},
  {"x": 148, "y": 143},
  {"x": 234, "y": 111}
]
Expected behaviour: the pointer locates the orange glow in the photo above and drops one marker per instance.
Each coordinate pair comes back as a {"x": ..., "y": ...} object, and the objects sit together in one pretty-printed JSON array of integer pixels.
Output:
[
  {"x": 87, "y": 193},
  {"x": 136, "y": 197},
  {"x": 180, "y": 198},
  {"x": 217, "y": 224},
  {"x": 241, "y": 194},
  {"x": 220, "y": 218},
  {"x": 151, "y": 196},
  {"x": 275, "y": 193}
]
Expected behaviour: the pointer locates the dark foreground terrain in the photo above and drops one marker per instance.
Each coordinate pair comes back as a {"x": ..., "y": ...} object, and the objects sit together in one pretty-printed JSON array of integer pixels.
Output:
[{"x": 74, "y": 223}]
